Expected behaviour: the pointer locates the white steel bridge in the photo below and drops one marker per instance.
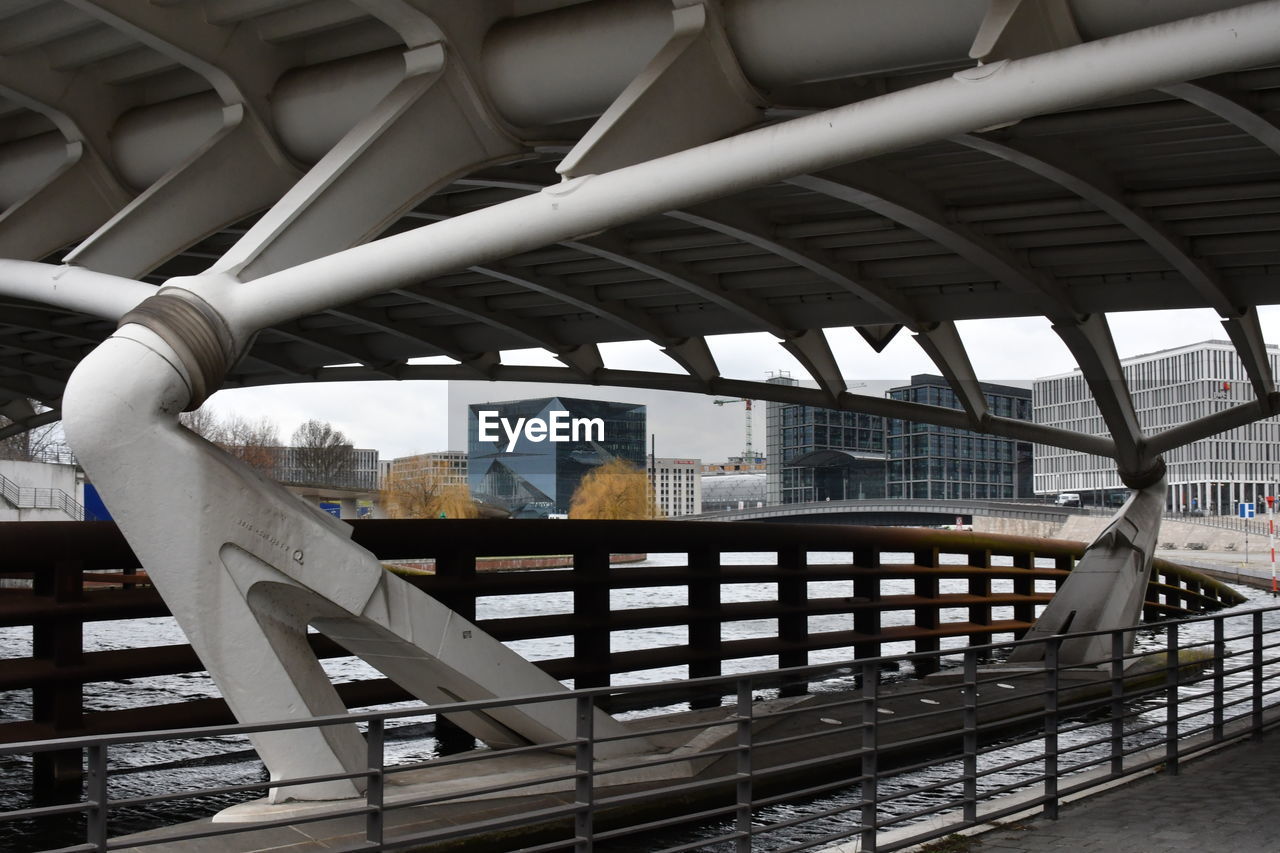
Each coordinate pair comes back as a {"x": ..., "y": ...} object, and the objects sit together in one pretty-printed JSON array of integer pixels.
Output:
[{"x": 271, "y": 191}]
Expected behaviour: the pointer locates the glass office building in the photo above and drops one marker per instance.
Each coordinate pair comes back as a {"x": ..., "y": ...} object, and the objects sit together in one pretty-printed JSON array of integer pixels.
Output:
[
  {"x": 815, "y": 454},
  {"x": 927, "y": 461},
  {"x": 532, "y": 476},
  {"x": 1211, "y": 476}
]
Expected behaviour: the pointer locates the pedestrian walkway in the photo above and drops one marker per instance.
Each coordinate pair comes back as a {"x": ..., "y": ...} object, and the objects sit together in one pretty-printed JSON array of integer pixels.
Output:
[
  {"x": 1228, "y": 566},
  {"x": 1225, "y": 801}
]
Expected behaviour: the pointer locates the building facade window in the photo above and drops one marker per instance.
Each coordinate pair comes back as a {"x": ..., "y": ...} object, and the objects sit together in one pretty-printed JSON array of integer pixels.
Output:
[
  {"x": 534, "y": 479},
  {"x": 936, "y": 462},
  {"x": 676, "y": 485},
  {"x": 1170, "y": 387}
]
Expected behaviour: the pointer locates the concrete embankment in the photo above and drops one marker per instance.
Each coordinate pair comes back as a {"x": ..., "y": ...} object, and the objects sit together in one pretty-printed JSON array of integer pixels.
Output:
[
  {"x": 1218, "y": 552},
  {"x": 1179, "y": 540}
]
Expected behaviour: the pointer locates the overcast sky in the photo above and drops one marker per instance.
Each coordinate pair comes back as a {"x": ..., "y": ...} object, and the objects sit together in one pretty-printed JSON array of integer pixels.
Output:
[{"x": 401, "y": 418}]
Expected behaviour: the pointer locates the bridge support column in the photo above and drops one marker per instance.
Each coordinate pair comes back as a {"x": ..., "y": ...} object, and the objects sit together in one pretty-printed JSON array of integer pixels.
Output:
[
  {"x": 1106, "y": 588},
  {"x": 246, "y": 568}
]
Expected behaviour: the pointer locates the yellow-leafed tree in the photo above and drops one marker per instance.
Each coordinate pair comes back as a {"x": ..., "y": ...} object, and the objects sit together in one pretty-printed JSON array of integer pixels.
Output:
[
  {"x": 423, "y": 491},
  {"x": 616, "y": 489}
]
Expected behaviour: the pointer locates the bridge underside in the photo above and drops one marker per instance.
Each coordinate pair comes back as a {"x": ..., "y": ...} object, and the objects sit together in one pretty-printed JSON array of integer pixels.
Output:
[
  {"x": 258, "y": 193},
  {"x": 164, "y": 155}
]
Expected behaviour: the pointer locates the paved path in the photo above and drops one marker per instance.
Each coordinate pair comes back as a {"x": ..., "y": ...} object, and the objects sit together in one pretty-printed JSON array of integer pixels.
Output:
[{"x": 1226, "y": 801}]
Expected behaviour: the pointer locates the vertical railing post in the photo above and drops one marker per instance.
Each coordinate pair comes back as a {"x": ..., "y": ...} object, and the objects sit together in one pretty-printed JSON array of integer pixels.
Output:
[
  {"x": 869, "y": 764},
  {"x": 57, "y": 776},
  {"x": 1117, "y": 703},
  {"x": 591, "y": 637},
  {"x": 1172, "y": 705},
  {"x": 457, "y": 568},
  {"x": 1052, "y": 646},
  {"x": 1024, "y": 586},
  {"x": 704, "y": 619},
  {"x": 96, "y": 794},
  {"x": 970, "y": 736},
  {"x": 927, "y": 607},
  {"x": 793, "y": 621},
  {"x": 866, "y": 597},
  {"x": 980, "y": 586},
  {"x": 1219, "y": 677},
  {"x": 374, "y": 785},
  {"x": 1256, "y": 727},
  {"x": 584, "y": 785},
  {"x": 744, "y": 785}
]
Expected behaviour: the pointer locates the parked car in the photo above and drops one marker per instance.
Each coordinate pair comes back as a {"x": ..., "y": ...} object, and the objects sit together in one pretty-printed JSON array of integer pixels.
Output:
[{"x": 1068, "y": 499}]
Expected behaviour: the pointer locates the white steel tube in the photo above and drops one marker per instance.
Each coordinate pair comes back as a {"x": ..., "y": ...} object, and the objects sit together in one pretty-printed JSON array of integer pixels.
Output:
[
  {"x": 74, "y": 288},
  {"x": 1230, "y": 40}
]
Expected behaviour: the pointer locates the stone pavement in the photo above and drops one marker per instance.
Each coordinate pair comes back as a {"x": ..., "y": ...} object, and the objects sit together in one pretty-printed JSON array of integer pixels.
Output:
[{"x": 1225, "y": 801}]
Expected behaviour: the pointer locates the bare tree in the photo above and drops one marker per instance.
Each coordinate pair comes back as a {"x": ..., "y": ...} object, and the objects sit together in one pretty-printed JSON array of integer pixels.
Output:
[
  {"x": 203, "y": 422},
  {"x": 321, "y": 454},
  {"x": 254, "y": 442},
  {"x": 36, "y": 444}
]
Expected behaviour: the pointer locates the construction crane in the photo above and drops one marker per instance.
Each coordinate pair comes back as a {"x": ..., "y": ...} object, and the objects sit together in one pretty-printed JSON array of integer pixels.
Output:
[{"x": 747, "y": 454}]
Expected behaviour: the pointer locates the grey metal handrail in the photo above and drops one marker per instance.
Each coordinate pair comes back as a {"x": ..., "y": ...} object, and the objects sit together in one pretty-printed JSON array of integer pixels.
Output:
[
  {"x": 1255, "y": 526},
  {"x": 57, "y": 454},
  {"x": 1242, "y": 672},
  {"x": 29, "y": 497}
]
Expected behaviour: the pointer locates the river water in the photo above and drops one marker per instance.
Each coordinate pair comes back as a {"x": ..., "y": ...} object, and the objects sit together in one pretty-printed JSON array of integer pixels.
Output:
[{"x": 211, "y": 762}]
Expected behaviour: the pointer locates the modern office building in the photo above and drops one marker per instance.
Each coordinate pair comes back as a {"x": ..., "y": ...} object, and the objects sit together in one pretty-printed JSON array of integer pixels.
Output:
[
  {"x": 529, "y": 456},
  {"x": 338, "y": 467},
  {"x": 446, "y": 467},
  {"x": 814, "y": 454},
  {"x": 936, "y": 462},
  {"x": 676, "y": 485},
  {"x": 1169, "y": 387}
]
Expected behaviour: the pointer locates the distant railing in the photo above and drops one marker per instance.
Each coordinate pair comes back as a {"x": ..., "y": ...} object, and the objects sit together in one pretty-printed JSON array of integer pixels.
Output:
[
  {"x": 26, "y": 497},
  {"x": 56, "y": 454},
  {"x": 940, "y": 507},
  {"x": 1256, "y": 526},
  {"x": 897, "y": 763}
]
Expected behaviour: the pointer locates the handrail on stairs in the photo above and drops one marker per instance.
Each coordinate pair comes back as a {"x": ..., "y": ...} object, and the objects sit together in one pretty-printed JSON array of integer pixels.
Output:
[{"x": 29, "y": 497}]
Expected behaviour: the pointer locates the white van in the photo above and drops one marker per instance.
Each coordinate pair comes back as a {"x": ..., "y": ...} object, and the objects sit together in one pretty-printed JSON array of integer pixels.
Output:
[{"x": 1069, "y": 499}]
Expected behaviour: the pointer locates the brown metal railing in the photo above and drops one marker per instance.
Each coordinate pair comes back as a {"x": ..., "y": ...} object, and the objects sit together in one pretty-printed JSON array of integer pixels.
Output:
[{"x": 84, "y": 572}]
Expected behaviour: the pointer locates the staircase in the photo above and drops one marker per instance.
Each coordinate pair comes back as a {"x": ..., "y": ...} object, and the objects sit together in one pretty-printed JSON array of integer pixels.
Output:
[{"x": 23, "y": 497}]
